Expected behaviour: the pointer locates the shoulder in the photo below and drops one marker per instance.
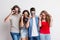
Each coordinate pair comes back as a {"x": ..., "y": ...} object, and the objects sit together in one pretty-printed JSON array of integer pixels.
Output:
[
  {"x": 19, "y": 15},
  {"x": 11, "y": 17}
]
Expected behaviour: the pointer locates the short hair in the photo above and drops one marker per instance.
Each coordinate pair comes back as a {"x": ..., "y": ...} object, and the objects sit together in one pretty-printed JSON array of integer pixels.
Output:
[
  {"x": 16, "y": 6},
  {"x": 32, "y": 9}
]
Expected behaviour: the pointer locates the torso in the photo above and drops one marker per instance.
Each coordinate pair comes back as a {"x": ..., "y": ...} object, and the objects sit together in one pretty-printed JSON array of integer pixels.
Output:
[
  {"x": 45, "y": 28},
  {"x": 15, "y": 23},
  {"x": 34, "y": 28}
]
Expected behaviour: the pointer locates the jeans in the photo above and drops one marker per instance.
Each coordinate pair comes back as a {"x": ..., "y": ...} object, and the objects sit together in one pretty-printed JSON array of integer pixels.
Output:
[
  {"x": 45, "y": 37},
  {"x": 34, "y": 38},
  {"x": 15, "y": 36},
  {"x": 24, "y": 33}
]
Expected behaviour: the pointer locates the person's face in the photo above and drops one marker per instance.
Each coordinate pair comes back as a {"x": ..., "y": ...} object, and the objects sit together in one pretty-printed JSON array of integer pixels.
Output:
[
  {"x": 25, "y": 14},
  {"x": 43, "y": 15},
  {"x": 16, "y": 10},
  {"x": 33, "y": 13}
]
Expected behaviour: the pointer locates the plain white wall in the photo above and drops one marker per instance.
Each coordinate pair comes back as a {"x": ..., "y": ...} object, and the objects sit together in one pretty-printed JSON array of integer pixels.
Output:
[{"x": 52, "y": 6}]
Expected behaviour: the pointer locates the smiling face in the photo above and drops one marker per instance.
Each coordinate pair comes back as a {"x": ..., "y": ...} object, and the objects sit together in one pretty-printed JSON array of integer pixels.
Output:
[
  {"x": 25, "y": 14},
  {"x": 43, "y": 15},
  {"x": 33, "y": 13},
  {"x": 16, "y": 10}
]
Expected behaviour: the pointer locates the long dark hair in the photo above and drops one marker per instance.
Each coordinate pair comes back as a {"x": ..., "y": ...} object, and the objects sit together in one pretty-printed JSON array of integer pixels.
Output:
[
  {"x": 27, "y": 12},
  {"x": 24, "y": 19}
]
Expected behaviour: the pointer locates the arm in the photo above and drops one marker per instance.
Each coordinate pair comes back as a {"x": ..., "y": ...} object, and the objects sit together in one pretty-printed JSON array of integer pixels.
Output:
[
  {"x": 7, "y": 17},
  {"x": 27, "y": 24},
  {"x": 39, "y": 21},
  {"x": 21, "y": 22},
  {"x": 51, "y": 22}
]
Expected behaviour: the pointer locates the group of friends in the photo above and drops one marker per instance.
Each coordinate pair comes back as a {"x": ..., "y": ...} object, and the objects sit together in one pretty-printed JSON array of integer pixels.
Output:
[{"x": 28, "y": 26}]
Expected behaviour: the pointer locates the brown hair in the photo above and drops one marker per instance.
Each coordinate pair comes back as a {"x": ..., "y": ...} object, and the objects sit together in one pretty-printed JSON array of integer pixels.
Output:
[
  {"x": 48, "y": 17},
  {"x": 16, "y": 6}
]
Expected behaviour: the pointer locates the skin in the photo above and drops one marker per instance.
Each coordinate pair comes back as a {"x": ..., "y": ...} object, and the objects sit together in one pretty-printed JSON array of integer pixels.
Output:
[
  {"x": 22, "y": 24},
  {"x": 25, "y": 14},
  {"x": 12, "y": 11},
  {"x": 16, "y": 9},
  {"x": 44, "y": 16},
  {"x": 33, "y": 13}
]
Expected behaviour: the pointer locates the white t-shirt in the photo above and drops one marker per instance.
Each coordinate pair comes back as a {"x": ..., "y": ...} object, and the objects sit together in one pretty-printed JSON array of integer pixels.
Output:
[
  {"x": 34, "y": 28},
  {"x": 14, "y": 20}
]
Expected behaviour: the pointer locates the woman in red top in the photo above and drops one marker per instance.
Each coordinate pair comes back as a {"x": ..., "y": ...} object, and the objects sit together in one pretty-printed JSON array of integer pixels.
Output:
[{"x": 44, "y": 24}]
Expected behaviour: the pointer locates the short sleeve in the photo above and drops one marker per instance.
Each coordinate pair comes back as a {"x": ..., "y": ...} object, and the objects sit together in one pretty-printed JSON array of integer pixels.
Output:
[
  {"x": 10, "y": 17},
  {"x": 19, "y": 15}
]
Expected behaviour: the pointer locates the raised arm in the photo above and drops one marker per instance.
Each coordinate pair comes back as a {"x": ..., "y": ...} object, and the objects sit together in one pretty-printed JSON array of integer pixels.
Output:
[
  {"x": 9, "y": 15},
  {"x": 21, "y": 22},
  {"x": 51, "y": 20},
  {"x": 27, "y": 24},
  {"x": 39, "y": 21}
]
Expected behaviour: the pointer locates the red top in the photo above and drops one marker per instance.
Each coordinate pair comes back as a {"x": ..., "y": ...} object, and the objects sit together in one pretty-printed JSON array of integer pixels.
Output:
[{"x": 45, "y": 28}]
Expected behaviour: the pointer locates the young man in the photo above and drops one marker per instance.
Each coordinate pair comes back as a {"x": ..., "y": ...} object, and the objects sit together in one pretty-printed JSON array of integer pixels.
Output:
[
  {"x": 14, "y": 17},
  {"x": 33, "y": 29}
]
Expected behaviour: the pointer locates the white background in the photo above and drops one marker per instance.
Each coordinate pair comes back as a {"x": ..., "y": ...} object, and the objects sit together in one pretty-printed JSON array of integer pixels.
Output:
[{"x": 52, "y": 6}]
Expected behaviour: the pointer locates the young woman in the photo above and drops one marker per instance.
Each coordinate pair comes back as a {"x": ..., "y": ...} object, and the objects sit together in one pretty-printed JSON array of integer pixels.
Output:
[
  {"x": 13, "y": 17},
  {"x": 44, "y": 24},
  {"x": 24, "y": 23}
]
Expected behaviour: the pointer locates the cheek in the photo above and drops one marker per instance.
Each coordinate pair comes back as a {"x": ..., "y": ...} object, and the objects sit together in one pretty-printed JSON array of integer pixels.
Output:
[
  {"x": 44, "y": 16},
  {"x": 33, "y": 12},
  {"x": 24, "y": 15},
  {"x": 16, "y": 9}
]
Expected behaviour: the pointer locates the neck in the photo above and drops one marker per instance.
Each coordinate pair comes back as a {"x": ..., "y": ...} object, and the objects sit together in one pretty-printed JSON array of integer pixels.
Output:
[
  {"x": 43, "y": 20},
  {"x": 33, "y": 16}
]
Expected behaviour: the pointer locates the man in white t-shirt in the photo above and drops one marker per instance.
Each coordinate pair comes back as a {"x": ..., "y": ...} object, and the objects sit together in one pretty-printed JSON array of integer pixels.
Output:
[{"x": 33, "y": 29}]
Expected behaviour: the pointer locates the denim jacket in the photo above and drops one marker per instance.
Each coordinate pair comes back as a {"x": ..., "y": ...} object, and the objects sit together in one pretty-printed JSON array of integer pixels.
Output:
[{"x": 30, "y": 26}]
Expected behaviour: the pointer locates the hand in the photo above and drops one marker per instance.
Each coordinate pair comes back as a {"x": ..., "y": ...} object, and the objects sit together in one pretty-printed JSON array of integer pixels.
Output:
[
  {"x": 22, "y": 17},
  {"x": 40, "y": 17},
  {"x": 29, "y": 16},
  {"x": 13, "y": 11}
]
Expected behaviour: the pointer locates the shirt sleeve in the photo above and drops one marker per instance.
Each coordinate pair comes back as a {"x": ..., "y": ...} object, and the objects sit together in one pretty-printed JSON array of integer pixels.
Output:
[{"x": 10, "y": 18}]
